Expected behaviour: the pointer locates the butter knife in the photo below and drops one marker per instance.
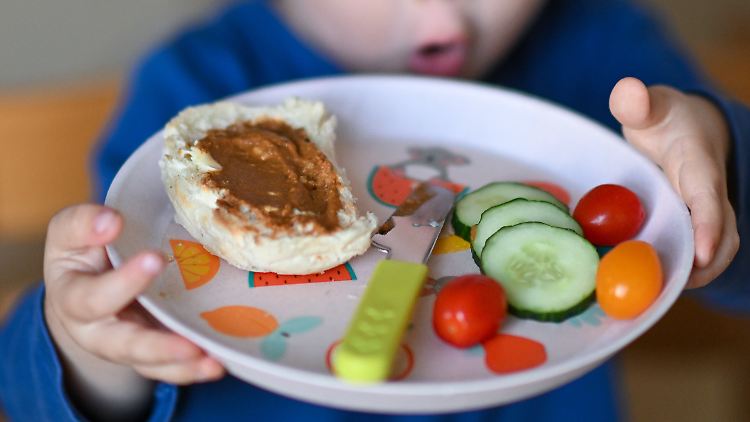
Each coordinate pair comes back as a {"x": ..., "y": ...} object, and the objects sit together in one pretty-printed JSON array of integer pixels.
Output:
[{"x": 367, "y": 351}]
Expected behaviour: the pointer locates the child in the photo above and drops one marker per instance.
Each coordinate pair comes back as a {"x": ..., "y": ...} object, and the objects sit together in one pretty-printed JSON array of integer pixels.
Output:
[{"x": 80, "y": 347}]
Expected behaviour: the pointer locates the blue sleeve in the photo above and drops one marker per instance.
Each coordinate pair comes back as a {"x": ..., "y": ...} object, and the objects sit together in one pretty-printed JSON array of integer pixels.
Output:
[
  {"x": 31, "y": 385},
  {"x": 31, "y": 378},
  {"x": 731, "y": 291},
  {"x": 172, "y": 77},
  {"x": 577, "y": 50},
  {"x": 576, "y": 53},
  {"x": 199, "y": 66}
]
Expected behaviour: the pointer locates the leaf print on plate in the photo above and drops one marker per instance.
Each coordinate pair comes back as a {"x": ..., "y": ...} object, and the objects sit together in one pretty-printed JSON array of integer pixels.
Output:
[
  {"x": 593, "y": 316},
  {"x": 197, "y": 265},
  {"x": 300, "y": 324},
  {"x": 343, "y": 272},
  {"x": 602, "y": 250},
  {"x": 273, "y": 346},
  {"x": 477, "y": 350},
  {"x": 241, "y": 321}
]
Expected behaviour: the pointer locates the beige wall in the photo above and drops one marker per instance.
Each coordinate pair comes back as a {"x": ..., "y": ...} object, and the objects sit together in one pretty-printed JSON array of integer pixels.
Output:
[
  {"x": 699, "y": 20},
  {"x": 64, "y": 40}
]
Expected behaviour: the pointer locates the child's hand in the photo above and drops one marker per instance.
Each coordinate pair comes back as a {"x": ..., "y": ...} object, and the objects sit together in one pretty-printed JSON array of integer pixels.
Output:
[
  {"x": 687, "y": 137},
  {"x": 94, "y": 320}
]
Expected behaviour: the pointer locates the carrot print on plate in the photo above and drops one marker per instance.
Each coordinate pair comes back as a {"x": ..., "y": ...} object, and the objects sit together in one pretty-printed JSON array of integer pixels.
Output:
[
  {"x": 507, "y": 353},
  {"x": 559, "y": 192}
]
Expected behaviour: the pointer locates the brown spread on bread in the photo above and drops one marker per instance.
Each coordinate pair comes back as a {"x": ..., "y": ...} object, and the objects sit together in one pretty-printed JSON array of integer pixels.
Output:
[{"x": 277, "y": 172}]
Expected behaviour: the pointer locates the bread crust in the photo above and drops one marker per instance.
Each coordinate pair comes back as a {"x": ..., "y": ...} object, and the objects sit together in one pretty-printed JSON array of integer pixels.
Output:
[{"x": 241, "y": 239}]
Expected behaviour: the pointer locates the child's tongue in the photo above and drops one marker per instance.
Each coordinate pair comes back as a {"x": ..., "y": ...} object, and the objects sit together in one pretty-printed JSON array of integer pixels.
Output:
[{"x": 439, "y": 60}]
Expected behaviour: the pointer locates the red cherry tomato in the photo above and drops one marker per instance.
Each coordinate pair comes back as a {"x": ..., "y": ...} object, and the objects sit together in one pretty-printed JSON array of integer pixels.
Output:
[
  {"x": 629, "y": 279},
  {"x": 468, "y": 310},
  {"x": 609, "y": 214}
]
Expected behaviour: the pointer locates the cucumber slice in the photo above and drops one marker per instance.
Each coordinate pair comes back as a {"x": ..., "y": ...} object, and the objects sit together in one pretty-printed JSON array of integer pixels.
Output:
[
  {"x": 520, "y": 211},
  {"x": 548, "y": 273},
  {"x": 470, "y": 208}
]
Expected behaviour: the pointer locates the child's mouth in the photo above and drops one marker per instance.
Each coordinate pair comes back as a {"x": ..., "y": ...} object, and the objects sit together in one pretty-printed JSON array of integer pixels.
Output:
[{"x": 439, "y": 59}]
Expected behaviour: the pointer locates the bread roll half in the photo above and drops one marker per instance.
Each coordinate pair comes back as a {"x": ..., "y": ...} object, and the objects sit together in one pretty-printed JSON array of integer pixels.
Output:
[{"x": 242, "y": 232}]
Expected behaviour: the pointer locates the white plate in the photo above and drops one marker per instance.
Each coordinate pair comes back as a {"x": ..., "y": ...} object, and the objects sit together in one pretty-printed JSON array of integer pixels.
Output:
[{"x": 484, "y": 134}]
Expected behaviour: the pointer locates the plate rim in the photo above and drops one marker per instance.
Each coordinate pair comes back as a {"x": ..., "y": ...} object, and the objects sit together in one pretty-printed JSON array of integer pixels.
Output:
[{"x": 413, "y": 388}]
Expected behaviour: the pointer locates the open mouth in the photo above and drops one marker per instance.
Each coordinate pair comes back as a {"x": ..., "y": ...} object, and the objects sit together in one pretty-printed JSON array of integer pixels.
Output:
[{"x": 446, "y": 59}]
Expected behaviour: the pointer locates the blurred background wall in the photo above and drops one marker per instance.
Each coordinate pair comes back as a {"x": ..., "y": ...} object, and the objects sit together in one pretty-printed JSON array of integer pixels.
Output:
[
  {"x": 45, "y": 41},
  {"x": 63, "y": 63}
]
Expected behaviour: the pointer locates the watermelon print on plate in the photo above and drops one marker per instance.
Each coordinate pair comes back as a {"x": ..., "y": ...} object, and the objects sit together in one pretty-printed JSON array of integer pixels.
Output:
[
  {"x": 391, "y": 184},
  {"x": 343, "y": 272}
]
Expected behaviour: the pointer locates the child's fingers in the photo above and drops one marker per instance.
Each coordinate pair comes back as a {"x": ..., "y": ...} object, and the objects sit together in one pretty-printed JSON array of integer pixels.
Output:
[
  {"x": 727, "y": 249},
  {"x": 136, "y": 313},
  {"x": 200, "y": 370},
  {"x": 82, "y": 226},
  {"x": 133, "y": 344},
  {"x": 686, "y": 136},
  {"x": 87, "y": 297},
  {"x": 706, "y": 213}
]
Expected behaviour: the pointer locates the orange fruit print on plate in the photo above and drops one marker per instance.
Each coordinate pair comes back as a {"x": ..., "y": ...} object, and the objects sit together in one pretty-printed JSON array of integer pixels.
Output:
[{"x": 197, "y": 265}]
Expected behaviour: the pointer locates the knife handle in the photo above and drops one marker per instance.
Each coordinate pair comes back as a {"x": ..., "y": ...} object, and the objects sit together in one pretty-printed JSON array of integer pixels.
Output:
[{"x": 366, "y": 352}]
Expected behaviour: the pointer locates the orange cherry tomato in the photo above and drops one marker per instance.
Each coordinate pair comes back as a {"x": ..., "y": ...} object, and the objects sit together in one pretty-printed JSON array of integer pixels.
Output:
[
  {"x": 629, "y": 279},
  {"x": 469, "y": 309}
]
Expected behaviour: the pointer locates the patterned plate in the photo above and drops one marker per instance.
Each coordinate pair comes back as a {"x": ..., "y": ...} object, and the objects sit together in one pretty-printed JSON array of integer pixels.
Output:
[{"x": 279, "y": 331}]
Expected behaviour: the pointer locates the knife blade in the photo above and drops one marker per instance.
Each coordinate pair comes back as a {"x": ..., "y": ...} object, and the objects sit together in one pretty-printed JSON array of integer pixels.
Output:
[{"x": 368, "y": 348}]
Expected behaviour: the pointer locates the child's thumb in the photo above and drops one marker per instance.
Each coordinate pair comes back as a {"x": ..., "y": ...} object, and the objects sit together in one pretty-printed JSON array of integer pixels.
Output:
[
  {"x": 637, "y": 107},
  {"x": 645, "y": 115}
]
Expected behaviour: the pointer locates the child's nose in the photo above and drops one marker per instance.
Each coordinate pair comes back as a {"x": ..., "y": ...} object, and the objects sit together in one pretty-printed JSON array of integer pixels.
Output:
[{"x": 440, "y": 22}]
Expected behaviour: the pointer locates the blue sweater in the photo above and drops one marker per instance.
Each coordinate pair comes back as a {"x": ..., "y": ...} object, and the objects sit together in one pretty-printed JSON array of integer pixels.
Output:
[{"x": 573, "y": 55}]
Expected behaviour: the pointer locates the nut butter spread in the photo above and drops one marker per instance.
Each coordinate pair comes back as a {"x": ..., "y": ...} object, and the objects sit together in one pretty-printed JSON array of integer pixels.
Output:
[{"x": 277, "y": 172}]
